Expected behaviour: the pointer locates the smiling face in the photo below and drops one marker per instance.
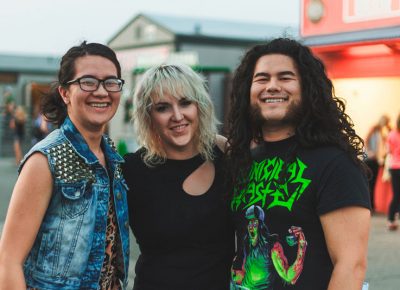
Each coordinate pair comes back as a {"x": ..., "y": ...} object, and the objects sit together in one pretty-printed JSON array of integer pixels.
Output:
[
  {"x": 91, "y": 110},
  {"x": 176, "y": 122},
  {"x": 275, "y": 94}
]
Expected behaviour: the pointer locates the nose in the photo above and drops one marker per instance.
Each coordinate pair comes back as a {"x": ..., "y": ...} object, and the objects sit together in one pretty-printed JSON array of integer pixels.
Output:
[
  {"x": 101, "y": 91},
  {"x": 273, "y": 85},
  {"x": 177, "y": 114}
]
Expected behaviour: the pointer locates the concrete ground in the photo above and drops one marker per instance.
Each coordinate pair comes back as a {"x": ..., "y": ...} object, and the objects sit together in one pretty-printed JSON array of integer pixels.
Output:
[{"x": 383, "y": 253}]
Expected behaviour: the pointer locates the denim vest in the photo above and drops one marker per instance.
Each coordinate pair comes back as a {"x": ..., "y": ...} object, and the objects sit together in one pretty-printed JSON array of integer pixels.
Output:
[{"x": 69, "y": 249}]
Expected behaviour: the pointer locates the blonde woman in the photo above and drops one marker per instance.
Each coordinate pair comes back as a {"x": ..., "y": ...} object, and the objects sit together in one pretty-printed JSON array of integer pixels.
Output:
[{"x": 177, "y": 208}]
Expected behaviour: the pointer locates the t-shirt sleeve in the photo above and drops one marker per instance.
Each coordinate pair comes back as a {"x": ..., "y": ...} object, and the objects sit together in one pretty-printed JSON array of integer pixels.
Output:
[{"x": 342, "y": 184}]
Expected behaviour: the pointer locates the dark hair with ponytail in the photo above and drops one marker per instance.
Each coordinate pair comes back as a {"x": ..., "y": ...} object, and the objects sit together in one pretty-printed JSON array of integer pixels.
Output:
[{"x": 52, "y": 105}]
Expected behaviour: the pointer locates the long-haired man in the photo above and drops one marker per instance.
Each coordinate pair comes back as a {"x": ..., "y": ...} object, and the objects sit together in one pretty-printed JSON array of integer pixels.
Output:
[{"x": 294, "y": 153}]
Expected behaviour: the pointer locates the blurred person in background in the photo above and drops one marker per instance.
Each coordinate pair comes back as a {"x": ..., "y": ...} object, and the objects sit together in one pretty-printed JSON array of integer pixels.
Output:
[
  {"x": 17, "y": 124},
  {"x": 41, "y": 128},
  {"x": 8, "y": 114},
  {"x": 393, "y": 143},
  {"x": 67, "y": 221},
  {"x": 177, "y": 199},
  {"x": 375, "y": 147},
  {"x": 9, "y": 101}
]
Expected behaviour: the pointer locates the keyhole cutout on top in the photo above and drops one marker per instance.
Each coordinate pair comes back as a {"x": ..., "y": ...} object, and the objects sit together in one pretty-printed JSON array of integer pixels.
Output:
[{"x": 200, "y": 180}]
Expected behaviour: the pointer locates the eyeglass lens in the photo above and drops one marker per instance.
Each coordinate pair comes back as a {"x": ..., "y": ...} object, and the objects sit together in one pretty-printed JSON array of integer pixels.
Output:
[{"x": 92, "y": 84}]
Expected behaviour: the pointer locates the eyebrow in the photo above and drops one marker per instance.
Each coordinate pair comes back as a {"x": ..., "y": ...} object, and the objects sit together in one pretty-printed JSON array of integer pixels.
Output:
[
  {"x": 263, "y": 74},
  {"x": 167, "y": 102},
  {"x": 161, "y": 103},
  {"x": 106, "y": 78}
]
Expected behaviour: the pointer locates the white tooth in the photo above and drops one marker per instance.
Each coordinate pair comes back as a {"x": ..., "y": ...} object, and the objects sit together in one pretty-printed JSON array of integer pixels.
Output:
[
  {"x": 101, "y": 105},
  {"x": 179, "y": 127},
  {"x": 274, "y": 100}
]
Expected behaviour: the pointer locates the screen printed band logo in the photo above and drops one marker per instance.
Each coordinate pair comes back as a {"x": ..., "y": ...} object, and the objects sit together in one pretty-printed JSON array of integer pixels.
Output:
[{"x": 266, "y": 187}]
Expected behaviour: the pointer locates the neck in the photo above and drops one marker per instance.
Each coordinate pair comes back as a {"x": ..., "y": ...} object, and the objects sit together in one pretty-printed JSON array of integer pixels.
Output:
[
  {"x": 93, "y": 140},
  {"x": 94, "y": 143},
  {"x": 176, "y": 154},
  {"x": 273, "y": 134}
]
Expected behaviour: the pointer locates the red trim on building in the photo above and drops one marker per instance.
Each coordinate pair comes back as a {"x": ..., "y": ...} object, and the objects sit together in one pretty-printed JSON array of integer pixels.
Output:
[
  {"x": 367, "y": 58},
  {"x": 350, "y": 15}
]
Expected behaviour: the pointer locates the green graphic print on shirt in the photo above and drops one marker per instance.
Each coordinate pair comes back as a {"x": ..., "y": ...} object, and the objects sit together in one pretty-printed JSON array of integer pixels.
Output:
[
  {"x": 264, "y": 185},
  {"x": 262, "y": 254}
]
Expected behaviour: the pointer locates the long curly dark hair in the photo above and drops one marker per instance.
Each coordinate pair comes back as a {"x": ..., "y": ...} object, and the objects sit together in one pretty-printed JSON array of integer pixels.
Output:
[{"x": 323, "y": 119}]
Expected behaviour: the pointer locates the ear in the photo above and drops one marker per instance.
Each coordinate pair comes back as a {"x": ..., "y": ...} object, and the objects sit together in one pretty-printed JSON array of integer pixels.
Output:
[{"x": 64, "y": 94}]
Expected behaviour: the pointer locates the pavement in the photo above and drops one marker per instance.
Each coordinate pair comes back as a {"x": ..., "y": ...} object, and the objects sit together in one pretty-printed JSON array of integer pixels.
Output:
[{"x": 383, "y": 250}]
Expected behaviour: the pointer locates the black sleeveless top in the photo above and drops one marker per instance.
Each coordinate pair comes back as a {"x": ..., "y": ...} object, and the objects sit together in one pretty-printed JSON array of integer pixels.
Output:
[{"x": 186, "y": 241}]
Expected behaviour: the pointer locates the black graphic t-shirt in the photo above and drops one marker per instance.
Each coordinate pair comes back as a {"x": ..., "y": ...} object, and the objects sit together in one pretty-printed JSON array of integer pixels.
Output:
[
  {"x": 276, "y": 211},
  {"x": 186, "y": 242}
]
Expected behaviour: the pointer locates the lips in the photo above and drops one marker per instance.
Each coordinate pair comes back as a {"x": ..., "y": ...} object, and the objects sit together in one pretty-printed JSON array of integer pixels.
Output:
[{"x": 179, "y": 128}]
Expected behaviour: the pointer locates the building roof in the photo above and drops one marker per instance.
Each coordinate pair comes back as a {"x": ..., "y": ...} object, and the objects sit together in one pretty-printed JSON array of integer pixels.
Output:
[
  {"x": 25, "y": 63},
  {"x": 353, "y": 36},
  {"x": 203, "y": 27}
]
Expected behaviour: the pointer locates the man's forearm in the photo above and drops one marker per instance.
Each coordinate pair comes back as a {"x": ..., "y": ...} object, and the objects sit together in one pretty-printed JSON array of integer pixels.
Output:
[{"x": 347, "y": 277}]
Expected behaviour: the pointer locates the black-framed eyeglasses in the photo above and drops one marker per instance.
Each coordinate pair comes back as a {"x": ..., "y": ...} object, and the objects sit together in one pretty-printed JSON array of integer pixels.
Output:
[{"x": 91, "y": 84}]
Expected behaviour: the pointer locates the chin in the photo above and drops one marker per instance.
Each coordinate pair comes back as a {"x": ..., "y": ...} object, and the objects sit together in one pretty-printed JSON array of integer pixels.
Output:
[
  {"x": 185, "y": 141},
  {"x": 99, "y": 124}
]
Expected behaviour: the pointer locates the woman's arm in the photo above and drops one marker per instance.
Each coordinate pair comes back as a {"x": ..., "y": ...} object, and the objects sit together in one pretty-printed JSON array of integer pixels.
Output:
[{"x": 28, "y": 205}]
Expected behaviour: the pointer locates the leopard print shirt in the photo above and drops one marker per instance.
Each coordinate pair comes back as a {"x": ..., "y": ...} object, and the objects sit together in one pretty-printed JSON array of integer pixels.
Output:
[{"x": 112, "y": 269}]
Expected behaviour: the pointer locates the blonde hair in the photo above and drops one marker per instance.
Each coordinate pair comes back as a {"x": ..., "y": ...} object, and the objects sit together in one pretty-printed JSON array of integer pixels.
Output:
[{"x": 179, "y": 81}]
